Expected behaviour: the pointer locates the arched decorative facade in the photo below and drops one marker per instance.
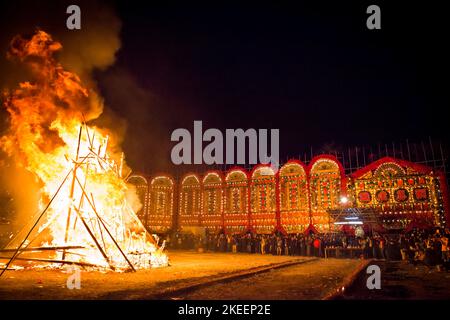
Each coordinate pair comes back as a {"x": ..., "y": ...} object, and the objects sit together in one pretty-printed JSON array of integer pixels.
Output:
[
  {"x": 213, "y": 202},
  {"x": 402, "y": 192},
  {"x": 263, "y": 199},
  {"x": 294, "y": 197},
  {"x": 325, "y": 185},
  {"x": 236, "y": 212},
  {"x": 190, "y": 201},
  {"x": 141, "y": 185},
  {"x": 160, "y": 213}
]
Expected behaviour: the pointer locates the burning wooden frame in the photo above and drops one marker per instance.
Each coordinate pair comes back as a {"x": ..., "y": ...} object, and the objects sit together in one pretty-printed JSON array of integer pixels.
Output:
[{"x": 83, "y": 231}]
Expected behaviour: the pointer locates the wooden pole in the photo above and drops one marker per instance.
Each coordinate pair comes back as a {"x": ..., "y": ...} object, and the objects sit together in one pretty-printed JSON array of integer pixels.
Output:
[
  {"x": 364, "y": 155},
  {"x": 443, "y": 159},
  {"x": 98, "y": 222},
  {"x": 432, "y": 151},
  {"x": 424, "y": 152},
  {"x": 84, "y": 264},
  {"x": 408, "y": 150},
  {"x": 95, "y": 239},
  {"x": 72, "y": 189},
  {"x": 35, "y": 224},
  {"x": 55, "y": 216},
  {"x": 104, "y": 226},
  {"x": 401, "y": 151},
  {"x": 29, "y": 224},
  {"x": 350, "y": 159},
  {"x": 416, "y": 152},
  {"x": 343, "y": 162},
  {"x": 393, "y": 150},
  {"x": 43, "y": 248},
  {"x": 82, "y": 196},
  {"x": 87, "y": 131}
]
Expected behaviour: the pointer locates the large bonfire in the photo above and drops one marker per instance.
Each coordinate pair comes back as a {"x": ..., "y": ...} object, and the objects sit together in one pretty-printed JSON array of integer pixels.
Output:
[{"x": 84, "y": 215}]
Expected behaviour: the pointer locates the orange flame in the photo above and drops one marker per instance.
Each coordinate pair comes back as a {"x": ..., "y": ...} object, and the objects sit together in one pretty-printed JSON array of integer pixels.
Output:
[{"x": 91, "y": 209}]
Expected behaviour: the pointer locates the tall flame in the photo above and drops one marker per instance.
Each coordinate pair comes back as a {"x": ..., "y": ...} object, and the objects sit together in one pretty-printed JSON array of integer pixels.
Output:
[{"x": 49, "y": 137}]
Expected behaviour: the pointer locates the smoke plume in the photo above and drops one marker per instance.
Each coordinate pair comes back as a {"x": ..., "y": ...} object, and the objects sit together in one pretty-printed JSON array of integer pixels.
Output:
[{"x": 76, "y": 55}]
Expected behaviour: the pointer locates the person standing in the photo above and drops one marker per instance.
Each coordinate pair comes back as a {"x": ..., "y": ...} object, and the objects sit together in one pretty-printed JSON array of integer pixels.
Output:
[
  {"x": 302, "y": 246},
  {"x": 249, "y": 243},
  {"x": 362, "y": 246},
  {"x": 293, "y": 246},
  {"x": 321, "y": 246},
  {"x": 375, "y": 254},
  {"x": 229, "y": 243},
  {"x": 273, "y": 245},
  {"x": 263, "y": 245},
  {"x": 381, "y": 245},
  {"x": 316, "y": 247},
  {"x": 437, "y": 249},
  {"x": 444, "y": 248},
  {"x": 403, "y": 247},
  {"x": 308, "y": 242},
  {"x": 235, "y": 244},
  {"x": 179, "y": 243},
  {"x": 429, "y": 255},
  {"x": 279, "y": 242}
]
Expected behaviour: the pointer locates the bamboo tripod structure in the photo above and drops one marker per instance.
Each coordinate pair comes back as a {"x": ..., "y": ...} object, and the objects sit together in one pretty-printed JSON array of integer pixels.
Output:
[{"x": 85, "y": 199}]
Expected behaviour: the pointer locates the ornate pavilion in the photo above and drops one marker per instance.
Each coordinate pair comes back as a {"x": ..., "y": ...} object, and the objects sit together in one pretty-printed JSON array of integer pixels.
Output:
[{"x": 296, "y": 198}]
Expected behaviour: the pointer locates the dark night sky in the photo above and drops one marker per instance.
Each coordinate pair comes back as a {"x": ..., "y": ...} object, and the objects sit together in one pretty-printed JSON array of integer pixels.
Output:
[{"x": 313, "y": 71}]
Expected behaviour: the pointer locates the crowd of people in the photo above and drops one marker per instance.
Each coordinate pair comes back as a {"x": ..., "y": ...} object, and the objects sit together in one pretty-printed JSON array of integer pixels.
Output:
[
  {"x": 428, "y": 248},
  {"x": 417, "y": 246}
]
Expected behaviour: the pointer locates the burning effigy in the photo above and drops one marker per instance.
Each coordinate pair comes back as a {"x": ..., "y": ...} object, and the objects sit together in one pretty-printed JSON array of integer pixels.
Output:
[{"x": 85, "y": 217}]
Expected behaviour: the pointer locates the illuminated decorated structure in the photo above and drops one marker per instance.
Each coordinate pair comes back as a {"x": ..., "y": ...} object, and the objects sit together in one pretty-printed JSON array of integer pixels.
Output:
[
  {"x": 294, "y": 197},
  {"x": 263, "y": 199},
  {"x": 297, "y": 198},
  {"x": 213, "y": 202},
  {"x": 160, "y": 204},
  {"x": 405, "y": 194},
  {"x": 236, "y": 214},
  {"x": 189, "y": 201},
  {"x": 141, "y": 185},
  {"x": 326, "y": 185}
]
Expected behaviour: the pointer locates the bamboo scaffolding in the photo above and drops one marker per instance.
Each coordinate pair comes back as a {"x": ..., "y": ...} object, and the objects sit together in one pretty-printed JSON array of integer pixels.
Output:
[
  {"x": 55, "y": 216},
  {"x": 72, "y": 189},
  {"x": 84, "y": 264},
  {"x": 16, "y": 253},
  {"x": 85, "y": 211},
  {"x": 43, "y": 248},
  {"x": 104, "y": 226},
  {"x": 95, "y": 240}
]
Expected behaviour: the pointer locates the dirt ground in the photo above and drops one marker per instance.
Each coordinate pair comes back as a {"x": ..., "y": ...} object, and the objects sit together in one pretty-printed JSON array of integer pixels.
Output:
[
  {"x": 186, "y": 267},
  {"x": 404, "y": 281},
  {"x": 311, "y": 280}
]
